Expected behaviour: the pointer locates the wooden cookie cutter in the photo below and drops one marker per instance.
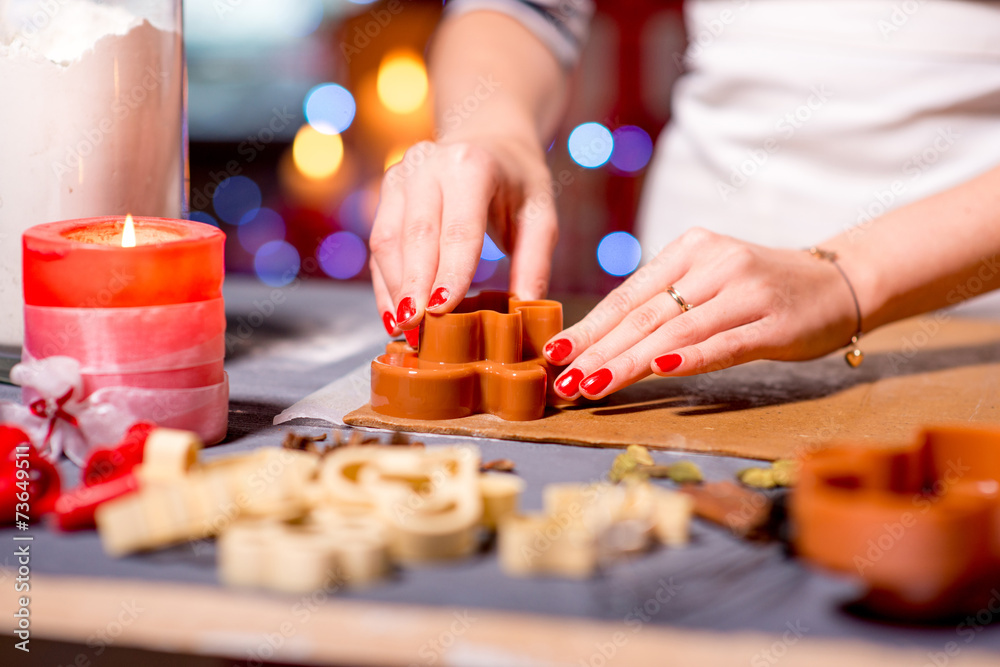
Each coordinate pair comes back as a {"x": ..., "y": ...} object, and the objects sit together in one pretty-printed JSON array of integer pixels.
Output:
[
  {"x": 269, "y": 554},
  {"x": 485, "y": 356},
  {"x": 920, "y": 524},
  {"x": 429, "y": 500},
  {"x": 268, "y": 483},
  {"x": 584, "y": 526}
]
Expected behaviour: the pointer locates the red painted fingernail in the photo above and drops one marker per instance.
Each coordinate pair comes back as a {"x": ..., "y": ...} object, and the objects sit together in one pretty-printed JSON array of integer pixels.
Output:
[
  {"x": 559, "y": 349},
  {"x": 596, "y": 382},
  {"x": 668, "y": 362},
  {"x": 569, "y": 383},
  {"x": 406, "y": 310},
  {"x": 388, "y": 322},
  {"x": 440, "y": 296},
  {"x": 413, "y": 337}
]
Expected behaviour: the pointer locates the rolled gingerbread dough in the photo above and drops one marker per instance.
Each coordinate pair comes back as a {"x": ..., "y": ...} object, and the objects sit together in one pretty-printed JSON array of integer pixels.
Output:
[{"x": 933, "y": 369}]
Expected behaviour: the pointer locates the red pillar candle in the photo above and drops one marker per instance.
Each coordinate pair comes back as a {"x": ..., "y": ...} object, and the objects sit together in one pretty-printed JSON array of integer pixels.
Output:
[
  {"x": 82, "y": 263},
  {"x": 141, "y": 311}
]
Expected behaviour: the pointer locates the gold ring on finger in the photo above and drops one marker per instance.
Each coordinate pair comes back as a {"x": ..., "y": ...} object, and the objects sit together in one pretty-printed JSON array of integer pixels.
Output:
[{"x": 685, "y": 306}]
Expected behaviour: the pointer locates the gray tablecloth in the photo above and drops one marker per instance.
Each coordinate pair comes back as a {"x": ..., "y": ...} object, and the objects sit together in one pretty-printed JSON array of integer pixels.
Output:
[{"x": 286, "y": 343}]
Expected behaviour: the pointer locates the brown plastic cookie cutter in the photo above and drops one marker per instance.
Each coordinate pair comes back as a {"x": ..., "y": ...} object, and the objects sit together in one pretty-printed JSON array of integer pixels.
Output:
[
  {"x": 485, "y": 356},
  {"x": 920, "y": 525}
]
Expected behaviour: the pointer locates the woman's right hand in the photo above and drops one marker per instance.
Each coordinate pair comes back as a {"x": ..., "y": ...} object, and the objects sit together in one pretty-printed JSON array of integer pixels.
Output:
[{"x": 434, "y": 208}]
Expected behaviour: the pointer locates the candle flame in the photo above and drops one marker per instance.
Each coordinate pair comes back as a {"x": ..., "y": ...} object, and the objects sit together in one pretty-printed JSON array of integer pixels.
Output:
[{"x": 128, "y": 233}]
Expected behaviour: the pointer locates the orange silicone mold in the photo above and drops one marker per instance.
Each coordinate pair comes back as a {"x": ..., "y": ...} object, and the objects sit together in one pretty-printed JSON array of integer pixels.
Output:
[
  {"x": 920, "y": 525},
  {"x": 485, "y": 356}
]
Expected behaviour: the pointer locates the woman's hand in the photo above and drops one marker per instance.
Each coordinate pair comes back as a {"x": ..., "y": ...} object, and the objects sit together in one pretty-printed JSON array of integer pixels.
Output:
[
  {"x": 433, "y": 211},
  {"x": 748, "y": 302}
]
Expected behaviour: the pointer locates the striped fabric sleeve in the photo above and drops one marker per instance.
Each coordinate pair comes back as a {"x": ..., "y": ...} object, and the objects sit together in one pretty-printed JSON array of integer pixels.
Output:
[{"x": 562, "y": 25}]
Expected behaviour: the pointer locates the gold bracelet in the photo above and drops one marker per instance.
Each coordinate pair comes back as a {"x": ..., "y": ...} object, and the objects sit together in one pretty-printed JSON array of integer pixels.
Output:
[{"x": 854, "y": 356}]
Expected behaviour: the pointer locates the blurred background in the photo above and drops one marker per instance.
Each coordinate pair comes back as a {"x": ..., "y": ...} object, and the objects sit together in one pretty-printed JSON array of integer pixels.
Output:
[{"x": 296, "y": 108}]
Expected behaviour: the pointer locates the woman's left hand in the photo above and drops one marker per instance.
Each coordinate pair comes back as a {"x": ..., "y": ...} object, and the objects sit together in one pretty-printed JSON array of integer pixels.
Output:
[{"x": 747, "y": 302}]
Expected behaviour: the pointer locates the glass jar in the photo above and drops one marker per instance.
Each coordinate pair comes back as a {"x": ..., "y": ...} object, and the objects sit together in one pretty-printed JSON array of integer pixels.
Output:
[{"x": 93, "y": 121}]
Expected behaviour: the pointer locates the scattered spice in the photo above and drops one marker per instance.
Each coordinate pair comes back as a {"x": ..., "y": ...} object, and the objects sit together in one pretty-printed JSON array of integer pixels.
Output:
[
  {"x": 497, "y": 465},
  {"x": 636, "y": 464},
  {"x": 353, "y": 438},
  {"x": 782, "y": 472},
  {"x": 682, "y": 472},
  {"x": 744, "y": 512},
  {"x": 297, "y": 441}
]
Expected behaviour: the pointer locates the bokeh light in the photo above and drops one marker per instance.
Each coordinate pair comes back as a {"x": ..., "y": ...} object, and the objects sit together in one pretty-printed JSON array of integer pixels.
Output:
[
  {"x": 633, "y": 148},
  {"x": 402, "y": 82},
  {"x": 236, "y": 197},
  {"x": 202, "y": 216},
  {"x": 485, "y": 270},
  {"x": 590, "y": 145},
  {"x": 342, "y": 255},
  {"x": 259, "y": 228},
  {"x": 490, "y": 250},
  {"x": 317, "y": 155},
  {"x": 276, "y": 263},
  {"x": 357, "y": 211},
  {"x": 619, "y": 253},
  {"x": 330, "y": 108}
]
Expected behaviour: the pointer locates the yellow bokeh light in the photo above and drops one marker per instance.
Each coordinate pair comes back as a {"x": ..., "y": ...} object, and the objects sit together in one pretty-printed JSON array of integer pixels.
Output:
[
  {"x": 394, "y": 156},
  {"x": 402, "y": 82},
  {"x": 317, "y": 155}
]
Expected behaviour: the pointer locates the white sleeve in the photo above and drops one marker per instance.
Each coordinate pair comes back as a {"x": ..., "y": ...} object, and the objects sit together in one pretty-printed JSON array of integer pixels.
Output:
[{"x": 562, "y": 25}]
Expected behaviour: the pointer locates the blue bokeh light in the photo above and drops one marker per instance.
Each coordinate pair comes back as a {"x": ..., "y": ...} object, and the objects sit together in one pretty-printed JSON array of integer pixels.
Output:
[
  {"x": 342, "y": 255},
  {"x": 633, "y": 148},
  {"x": 357, "y": 211},
  {"x": 259, "y": 227},
  {"x": 202, "y": 216},
  {"x": 330, "y": 108},
  {"x": 619, "y": 253},
  {"x": 485, "y": 270},
  {"x": 276, "y": 263},
  {"x": 490, "y": 250},
  {"x": 236, "y": 198},
  {"x": 590, "y": 145}
]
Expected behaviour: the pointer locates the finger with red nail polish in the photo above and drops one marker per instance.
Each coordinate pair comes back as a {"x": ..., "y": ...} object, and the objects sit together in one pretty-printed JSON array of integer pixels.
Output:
[
  {"x": 389, "y": 322},
  {"x": 557, "y": 350},
  {"x": 567, "y": 385},
  {"x": 438, "y": 298},
  {"x": 405, "y": 311},
  {"x": 595, "y": 383},
  {"x": 667, "y": 362},
  {"x": 412, "y": 337}
]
